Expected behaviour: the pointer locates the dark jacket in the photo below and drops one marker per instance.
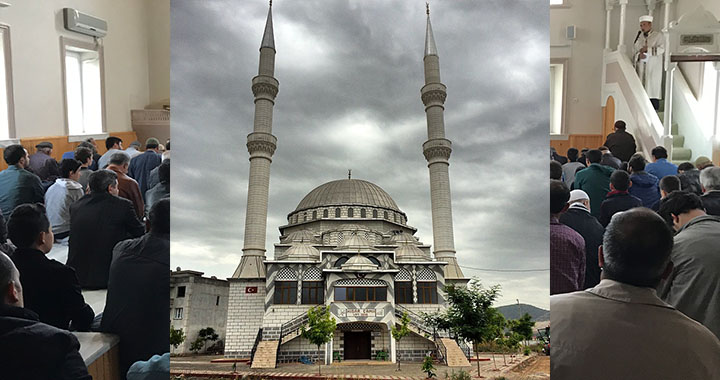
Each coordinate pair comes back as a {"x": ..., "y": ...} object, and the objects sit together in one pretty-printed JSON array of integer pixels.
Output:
[
  {"x": 580, "y": 220},
  {"x": 51, "y": 289},
  {"x": 18, "y": 186},
  {"x": 140, "y": 167},
  {"x": 711, "y": 202},
  {"x": 645, "y": 187},
  {"x": 595, "y": 181},
  {"x": 621, "y": 145},
  {"x": 615, "y": 202},
  {"x": 690, "y": 181},
  {"x": 609, "y": 160},
  {"x": 160, "y": 191},
  {"x": 98, "y": 221},
  {"x": 136, "y": 308},
  {"x": 44, "y": 166},
  {"x": 32, "y": 350}
]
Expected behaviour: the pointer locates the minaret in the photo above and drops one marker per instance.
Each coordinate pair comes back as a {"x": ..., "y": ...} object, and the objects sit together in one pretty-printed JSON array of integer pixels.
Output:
[
  {"x": 437, "y": 151},
  {"x": 261, "y": 145}
]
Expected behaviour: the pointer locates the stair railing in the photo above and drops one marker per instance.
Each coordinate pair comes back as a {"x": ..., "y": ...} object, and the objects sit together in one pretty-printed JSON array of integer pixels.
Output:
[
  {"x": 257, "y": 341},
  {"x": 292, "y": 326}
]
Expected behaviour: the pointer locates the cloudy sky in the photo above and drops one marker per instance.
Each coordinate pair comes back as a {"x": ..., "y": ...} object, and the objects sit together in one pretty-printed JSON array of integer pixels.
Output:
[{"x": 350, "y": 74}]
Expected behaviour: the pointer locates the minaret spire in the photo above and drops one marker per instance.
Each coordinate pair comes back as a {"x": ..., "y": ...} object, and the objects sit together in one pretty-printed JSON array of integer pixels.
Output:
[
  {"x": 261, "y": 145},
  {"x": 437, "y": 151}
]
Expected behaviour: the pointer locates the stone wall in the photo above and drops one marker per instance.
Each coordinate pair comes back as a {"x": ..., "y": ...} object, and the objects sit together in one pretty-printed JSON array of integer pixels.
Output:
[
  {"x": 245, "y": 317},
  {"x": 413, "y": 347}
]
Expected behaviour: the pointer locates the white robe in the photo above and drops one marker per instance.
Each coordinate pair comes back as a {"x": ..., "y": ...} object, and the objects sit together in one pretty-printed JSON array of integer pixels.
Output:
[{"x": 650, "y": 69}]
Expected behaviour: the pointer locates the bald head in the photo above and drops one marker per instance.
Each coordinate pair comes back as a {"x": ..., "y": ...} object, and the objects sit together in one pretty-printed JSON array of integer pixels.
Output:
[
  {"x": 636, "y": 247},
  {"x": 10, "y": 290}
]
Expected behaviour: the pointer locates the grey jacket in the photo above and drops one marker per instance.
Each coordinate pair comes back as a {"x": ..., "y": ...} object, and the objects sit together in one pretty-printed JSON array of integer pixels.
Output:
[
  {"x": 58, "y": 199},
  {"x": 694, "y": 285}
]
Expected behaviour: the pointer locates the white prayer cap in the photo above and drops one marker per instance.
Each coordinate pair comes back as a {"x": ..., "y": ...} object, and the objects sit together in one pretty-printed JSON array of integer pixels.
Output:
[
  {"x": 647, "y": 18},
  {"x": 577, "y": 195}
]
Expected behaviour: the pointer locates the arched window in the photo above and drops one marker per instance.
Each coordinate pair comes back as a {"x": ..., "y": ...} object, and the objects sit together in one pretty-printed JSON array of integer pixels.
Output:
[
  {"x": 314, "y": 215},
  {"x": 374, "y": 260},
  {"x": 340, "y": 261},
  {"x": 403, "y": 287},
  {"x": 337, "y": 212},
  {"x": 351, "y": 212},
  {"x": 363, "y": 213},
  {"x": 426, "y": 286},
  {"x": 375, "y": 214},
  {"x": 325, "y": 213},
  {"x": 313, "y": 292},
  {"x": 285, "y": 287},
  {"x": 395, "y": 217},
  {"x": 385, "y": 215},
  {"x": 304, "y": 217}
]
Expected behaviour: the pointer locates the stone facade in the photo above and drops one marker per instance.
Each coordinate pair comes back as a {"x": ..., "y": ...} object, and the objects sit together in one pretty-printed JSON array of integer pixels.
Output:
[
  {"x": 244, "y": 317},
  {"x": 197, "y": 302}
]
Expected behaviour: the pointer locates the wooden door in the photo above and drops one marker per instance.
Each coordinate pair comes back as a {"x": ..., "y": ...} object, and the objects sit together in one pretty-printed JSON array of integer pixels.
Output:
[{"x": 357, "y": 345}]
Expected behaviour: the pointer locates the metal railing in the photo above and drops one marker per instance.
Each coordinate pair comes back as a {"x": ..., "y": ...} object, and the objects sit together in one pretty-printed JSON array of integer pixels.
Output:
[
  {"x": 416, "y": 319},
  {"x": 257, "y": 341},
  {"x": 292, "y": 326}
]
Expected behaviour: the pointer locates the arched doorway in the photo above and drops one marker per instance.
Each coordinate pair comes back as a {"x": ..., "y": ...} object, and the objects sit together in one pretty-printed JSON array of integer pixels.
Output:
[{"x": 608, "y": 117}]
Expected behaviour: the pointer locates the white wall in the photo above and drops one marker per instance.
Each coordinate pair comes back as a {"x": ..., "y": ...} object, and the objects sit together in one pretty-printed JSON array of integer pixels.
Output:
[
  {"x": 584, "y": 110},
  {"x": 36, "y": 27},
  {"x": 158, "y": 27}
]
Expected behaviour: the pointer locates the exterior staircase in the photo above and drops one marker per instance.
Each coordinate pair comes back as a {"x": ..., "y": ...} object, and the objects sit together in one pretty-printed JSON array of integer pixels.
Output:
[
  {"x": 454, "y": 355},
  {"x": 265, "y": 354}
]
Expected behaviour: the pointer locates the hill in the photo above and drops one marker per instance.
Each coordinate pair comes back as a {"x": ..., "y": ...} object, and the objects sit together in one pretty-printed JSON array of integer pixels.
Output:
[{"x": 514, "y": 312}]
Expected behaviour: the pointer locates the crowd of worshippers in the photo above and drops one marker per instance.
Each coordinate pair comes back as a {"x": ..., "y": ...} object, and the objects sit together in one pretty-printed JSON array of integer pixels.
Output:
[
  {"x": 115, "y": 220},
  {"x": 634, "y": 264}
]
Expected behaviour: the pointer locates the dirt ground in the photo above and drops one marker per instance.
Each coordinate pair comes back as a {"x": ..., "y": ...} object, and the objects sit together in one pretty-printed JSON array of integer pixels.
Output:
[{"x": 519, "y": 368}]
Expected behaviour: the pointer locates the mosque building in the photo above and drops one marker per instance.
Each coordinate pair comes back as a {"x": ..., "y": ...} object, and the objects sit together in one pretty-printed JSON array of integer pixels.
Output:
[{"x": 346, "y": 245}]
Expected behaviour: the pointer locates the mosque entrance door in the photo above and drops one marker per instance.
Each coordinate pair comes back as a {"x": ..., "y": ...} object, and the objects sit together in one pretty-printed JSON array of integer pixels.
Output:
[{"x": 357, "y": 345}]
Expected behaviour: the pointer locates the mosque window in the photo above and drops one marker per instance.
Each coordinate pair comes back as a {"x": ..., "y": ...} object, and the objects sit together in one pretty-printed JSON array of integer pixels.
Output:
[
  {"x": 325, "y": 213},
  {"x": 374, "y": 260},
  {"x": 358, "y": 293},
  {"x": 337, "y": 212},
  {"x": 314, "y": 215},
  {"x": 375, "y": 214},
  {"x": 403, "y": 292},
  {"x": 385, "y": 215},
  {"x": 363, "y": 213},
  {"x": 83, "y": 69},
  {"x": 178, "y": 313},
  {"x": 304, "y": 217},
  {"x": 395, "y": 217},
  {"x": 558, "y": 75},
  {"x": 217, "y": 301},
  {"x": 7, "y": 119},
  {"x": 180, "y": 292},
  {"x": 285, "y": 292},
  {"x": 313, "y": 292},
  {"x": 351, "y": 212},
  {"x": 427, "y": 292},
  {"x": 340, "y": 261}
]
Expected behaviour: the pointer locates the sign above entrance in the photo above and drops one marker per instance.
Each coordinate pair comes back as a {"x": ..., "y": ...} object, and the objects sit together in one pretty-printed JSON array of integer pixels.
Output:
[{"x": 344, "y": 313}]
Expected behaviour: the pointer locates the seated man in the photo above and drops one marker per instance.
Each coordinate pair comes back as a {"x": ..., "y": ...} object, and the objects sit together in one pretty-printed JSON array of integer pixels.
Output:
[
  {"x": 31, "y": 349},
  {"x": 58, "y": 198},
  {"x": 694, "y": 284},
  {"x": 42, "y": 164},
  {"x": 668, "y": 184},
  {"x": 84, "y": 155},
  {"x": 17, "y": 185},
  {"x": 162, "y": 189},
  {"x": 661, "y": 167},
  {"x": 51, "y": 288},
  {"x": 138, "y": 294},
  {"x": 579, "y": 219},
  {"x": 97, "y": 222},
  {"x": 710, "y": 181},
  {"x": 128, "y": 188},
  {"x": 567, "y": 247},
  {"x": 620, "y": 329},
  {"x": 618, "y": 199},
  {"x": 644, "y": 184},
  {"x": 689, "y": 178},
  {"x": 594, "y": 180}
]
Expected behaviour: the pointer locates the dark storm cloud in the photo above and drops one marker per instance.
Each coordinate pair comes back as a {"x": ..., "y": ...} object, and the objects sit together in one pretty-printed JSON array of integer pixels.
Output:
[{"x": 350, "y": 74}]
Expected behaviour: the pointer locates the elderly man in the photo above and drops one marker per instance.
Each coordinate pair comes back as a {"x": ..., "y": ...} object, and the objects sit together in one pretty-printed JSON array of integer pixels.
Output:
[
  {"x": 710, "y": 181},
  {"x": 17, "y": 185},
  {"x": 579, "y": 219},
  {"x": 694, "y": 284},
  {"x": 567, "y": 247},
  {"x": 620, "y": 142},
  {"x": 98, "y": 221},
  {"x": 142, "y": 165},
  {"x": 23, "y": 338},
  {"x": 128, "y": 187},
  {"x": 620, "y": 329},
  {"x": 42, "y": 164},
  {"x": 648, "y": 51}
]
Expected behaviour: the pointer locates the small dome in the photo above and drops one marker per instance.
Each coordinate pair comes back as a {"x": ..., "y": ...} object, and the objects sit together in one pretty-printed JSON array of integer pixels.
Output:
[
  {"x": 409, "y": 252},
  {"x": 348, "y": 192},
  {"x": 306, "y": 236},
  {"x": 359, "y": 263},
  {"x": 354, "y": 243},
  {"x": 301, "y": 251},
  {"x": 403, "y": 238}
]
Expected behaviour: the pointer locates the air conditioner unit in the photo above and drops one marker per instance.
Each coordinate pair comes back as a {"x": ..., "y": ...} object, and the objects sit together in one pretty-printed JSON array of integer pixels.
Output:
[{"x": 84, "y": 23}]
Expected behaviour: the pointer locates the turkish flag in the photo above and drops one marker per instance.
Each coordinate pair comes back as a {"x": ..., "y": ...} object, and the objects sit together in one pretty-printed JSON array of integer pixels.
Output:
[{"x": 251, "y": 289}]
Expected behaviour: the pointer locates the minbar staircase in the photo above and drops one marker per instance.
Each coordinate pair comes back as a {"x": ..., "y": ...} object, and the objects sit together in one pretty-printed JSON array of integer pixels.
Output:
[
  {"x": 680, "y": 154},
  {"x": 448, "y": 349}
]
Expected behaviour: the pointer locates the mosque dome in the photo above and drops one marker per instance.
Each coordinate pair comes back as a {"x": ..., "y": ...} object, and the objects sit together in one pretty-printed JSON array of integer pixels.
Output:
[
  {"x": 359, "y": 263},
  {"x": 302, "y": 251},
  {"x": 355, "y": 192},
  {"x": 301, "y": 236}
]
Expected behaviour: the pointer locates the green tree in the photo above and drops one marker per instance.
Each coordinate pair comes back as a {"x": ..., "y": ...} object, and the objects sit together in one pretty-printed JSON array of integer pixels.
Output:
[
  {"x": 197, "y": 345},
  {"x": 399, "y": 332},
  {"x": 320, "y": 327},
  {"x": 428, "y": 367},
  {"x": 207, "y": 334},
  {"x": 495, "y": 328},
  {"x": 523, "y": 327},
  {"x": 176, "y": 337},
  {"x": 469, "y": 314}
]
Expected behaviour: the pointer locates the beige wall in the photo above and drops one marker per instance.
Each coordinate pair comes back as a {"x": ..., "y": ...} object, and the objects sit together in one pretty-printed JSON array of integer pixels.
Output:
[
  {"x": 158, "y": 27},
  {"x": 583, "y": 113},
  {"x": 36, "y": 27}
]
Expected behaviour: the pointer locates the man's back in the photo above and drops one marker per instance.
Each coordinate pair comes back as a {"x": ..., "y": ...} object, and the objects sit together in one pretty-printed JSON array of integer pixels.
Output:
[
  {"x": 141, "y": 166},
  {"x": 138, "y": 296},
  {"x": 621, "y": 145},
  {"x": 661, "y": 168},
  {"x": 569, "y": 171},
  {"x": 694, "y": 285},
  {"x": 595, "y": 181},
  {"x": 35, "y": 351},
  {"x": 592, "y": 231},
  {"x": 617, "y": 201},
  {"x": 97, "y": 223},
  {"x": 645, "y": 187},
  {"x": 18, "y": 186},
  {"x": 619, "y": 331},
  {"x": 567, "y": 258},
  {"x": 711, "y": 202}
]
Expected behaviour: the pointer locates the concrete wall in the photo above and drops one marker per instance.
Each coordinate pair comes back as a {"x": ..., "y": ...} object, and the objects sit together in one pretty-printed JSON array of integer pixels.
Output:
[
  {"x": 135, "y": 48},
  {"x": 245, "y": 317},
  {"x": 201, "y": 308},
  {"x": 413, "y": 347}
]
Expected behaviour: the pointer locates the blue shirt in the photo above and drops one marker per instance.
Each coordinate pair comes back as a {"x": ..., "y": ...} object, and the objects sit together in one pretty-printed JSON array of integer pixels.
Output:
[{"x": 661, "y": 168}]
